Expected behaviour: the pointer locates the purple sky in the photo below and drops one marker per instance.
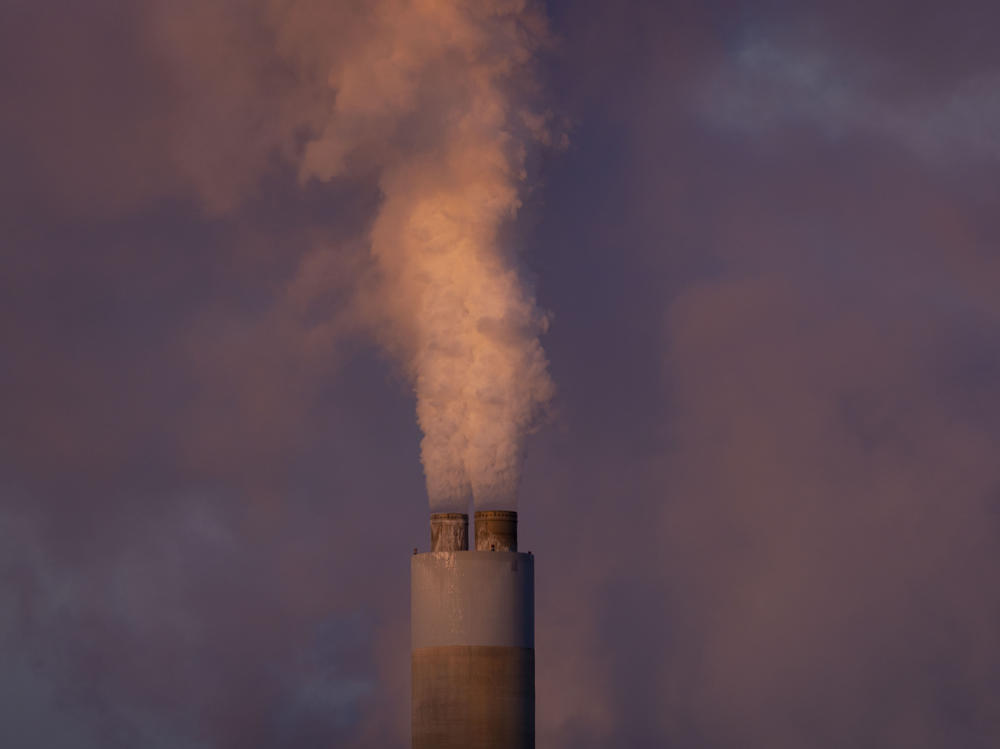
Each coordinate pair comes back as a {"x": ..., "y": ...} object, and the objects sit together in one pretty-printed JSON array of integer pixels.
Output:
[{"x": 765, "y": 511}]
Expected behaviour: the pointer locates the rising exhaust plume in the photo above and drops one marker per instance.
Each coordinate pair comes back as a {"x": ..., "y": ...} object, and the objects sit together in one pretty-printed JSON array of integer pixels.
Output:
[{"x": 429, "y": 97}]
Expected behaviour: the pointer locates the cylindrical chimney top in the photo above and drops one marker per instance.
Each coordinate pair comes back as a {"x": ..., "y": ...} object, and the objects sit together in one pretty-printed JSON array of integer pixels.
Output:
[
  {"x": 496, "y": 530},
  {"x": 449, "y": 531}
]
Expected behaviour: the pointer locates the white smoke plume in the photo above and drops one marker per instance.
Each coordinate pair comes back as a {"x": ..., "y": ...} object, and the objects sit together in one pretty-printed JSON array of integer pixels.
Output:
[
  {"x": 431, "y": 99},
  {"x": 428, "y": 96}
]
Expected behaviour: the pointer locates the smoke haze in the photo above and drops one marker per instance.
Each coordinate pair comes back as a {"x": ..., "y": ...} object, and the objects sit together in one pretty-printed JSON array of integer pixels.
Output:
[
  {"x": 766, "y": 512},
  {"x": 429, "y": 99}
]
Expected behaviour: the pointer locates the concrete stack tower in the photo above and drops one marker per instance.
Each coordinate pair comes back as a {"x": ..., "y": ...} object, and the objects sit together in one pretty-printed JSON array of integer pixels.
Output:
[{"x": 473, "y": 636}]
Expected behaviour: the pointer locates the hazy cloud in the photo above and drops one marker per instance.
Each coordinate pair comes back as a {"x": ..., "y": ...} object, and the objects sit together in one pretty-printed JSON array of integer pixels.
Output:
[
  {"x": 764, "y": 85},
  {"x": 765, "y": 509}
]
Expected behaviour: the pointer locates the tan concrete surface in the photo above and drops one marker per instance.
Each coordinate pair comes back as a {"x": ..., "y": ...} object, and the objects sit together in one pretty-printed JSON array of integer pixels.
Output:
[
  {"x": 473, "y": 697},
  {"x": 472, "y": 598}
]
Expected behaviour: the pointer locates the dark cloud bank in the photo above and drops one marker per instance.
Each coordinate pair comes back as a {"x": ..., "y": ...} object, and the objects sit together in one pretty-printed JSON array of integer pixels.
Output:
[{"x": 766, "y": 510}]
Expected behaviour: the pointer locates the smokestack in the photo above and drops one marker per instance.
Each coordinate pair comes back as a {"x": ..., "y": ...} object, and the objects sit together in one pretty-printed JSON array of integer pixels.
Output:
[
  {"x": 496, "y": 530},
  {"x": 450, "y": 531},
  {"x": 473, "y": 637}
]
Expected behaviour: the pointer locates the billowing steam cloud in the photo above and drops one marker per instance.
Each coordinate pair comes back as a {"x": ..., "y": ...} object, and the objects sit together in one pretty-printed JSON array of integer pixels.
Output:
[
  {"x": 432, "y": 100},
  {"x": 428, "y": 98}
]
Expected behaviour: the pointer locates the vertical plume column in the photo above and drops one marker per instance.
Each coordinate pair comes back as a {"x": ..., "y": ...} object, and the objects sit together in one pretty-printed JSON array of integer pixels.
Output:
[
  {"x": 435, "y": 100},
  {"x": 473, "y": 639}
]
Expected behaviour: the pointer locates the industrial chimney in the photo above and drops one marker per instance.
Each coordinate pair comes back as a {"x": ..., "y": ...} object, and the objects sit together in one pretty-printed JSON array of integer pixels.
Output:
[{"x": 473, "y": 636}]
